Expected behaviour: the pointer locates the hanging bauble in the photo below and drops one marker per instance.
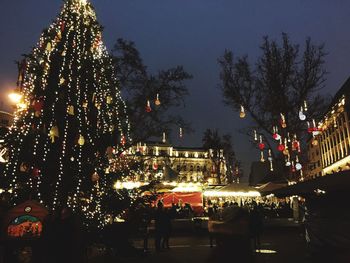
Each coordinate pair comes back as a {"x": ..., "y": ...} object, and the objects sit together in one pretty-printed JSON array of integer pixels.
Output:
[
  {"x": 148, "y": 107},
  {"x": 302, "y": 116},
  {"x": 271, "y": 165},
  {"x": 35, "y": 172},
  {"x": 63, "y": 54},
  {"x": 54, "y": 133},
  {"x": 62, "y": 25},
  {"x": 70, "y": 110},
  {"x": 95, "y": 177},
  {"x": 49, "y": 47},
  {"x": 157, "y": 101},
  {"x": 255, "y": 135},
  {"x": 38, "y": 105},
  {"x": 109, "y": 152},
  {"x": 72, "y": 159},
  {"x": 281, "y": 147},
  {"x": 285, "y": 151},
  {"x": 262, "y": 159},
  {"x": 155, "y": 166},
  {"x": 109, "y": 99},
  {"x": 85, "y": 104},
  {"x": 261, "y": 146},
  {"x": 269, "y": 155},
  {"x": 37, "y": 113},
  {"x": 81, "y": 140},
  {"x": 298, "y": 166},
  {"x": 62, "y": 80},
  {"x": 276, "y": 136},
  {"x": 283, "y": 121},
  {"x": 24, "y": 167},
  {"x": 242, "y": 112},
  {"x": 296, "y": 145},
  {"x": 314, "y": 142},
  {"x": 288, "y": 163}
]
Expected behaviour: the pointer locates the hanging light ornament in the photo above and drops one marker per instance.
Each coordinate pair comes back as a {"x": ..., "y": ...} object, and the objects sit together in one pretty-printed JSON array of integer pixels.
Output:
[
  {"x": 288, "y": 163},
  {"x": 269, "y": 155},
  {"x": 283, "y": 121},
  {"x": 305, "y": 105},
  {"x": 157, "y": 101},
  {"x": 275, "y": 134},
  {"x": 262, "y": 159},
  {"x": 302, "y": 116},
  {"x": 295, "y": 144},
  {"x": 242, "y": 112},
  {"x": 181, "y": 133},
  {"x": 81, "y": 140},
  {"x": 148, "y": 106},
  {"x": 271, "y": 165},
  {"x": 255, "y": 135},
  {"x": 54, "y": 133},
  {"x": 261, "y": 144},
  {"x": 285, "y": 151},
  {"x": 164, "y": 138},
  {"x": 298, "y": 166},
  {"x": 281, "y": 146}
]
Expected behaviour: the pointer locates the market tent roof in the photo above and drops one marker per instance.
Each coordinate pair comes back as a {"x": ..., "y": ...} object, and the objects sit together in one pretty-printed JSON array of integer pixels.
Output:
[
  {"x": 329, "y": 183},
  {"x": 233, "y": 189}
]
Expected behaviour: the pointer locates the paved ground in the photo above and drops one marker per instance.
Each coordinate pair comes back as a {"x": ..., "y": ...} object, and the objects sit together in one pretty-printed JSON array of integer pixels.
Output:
[{"x": 285, "y": 243}]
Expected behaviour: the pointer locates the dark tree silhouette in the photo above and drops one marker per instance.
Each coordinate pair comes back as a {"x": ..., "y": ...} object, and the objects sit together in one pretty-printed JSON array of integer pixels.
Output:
[
  {"x": 221, "y": 153},
  {"x": 165, "y": 92},
  {"x": 282, "y": 80}
]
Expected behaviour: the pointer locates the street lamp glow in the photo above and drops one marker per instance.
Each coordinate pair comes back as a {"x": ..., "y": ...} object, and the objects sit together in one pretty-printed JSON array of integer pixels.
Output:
[{"x": 15, "y": 97}]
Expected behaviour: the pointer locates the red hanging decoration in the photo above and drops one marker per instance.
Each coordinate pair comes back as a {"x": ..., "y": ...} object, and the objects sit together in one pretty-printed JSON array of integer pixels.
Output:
[
  {"x": 280, "y": 147},
  {"x": 261, "y": 146},
  {"x": 35, "y": 172},
  {"x": 38, "y": 105},
  {"x": 148, "y": 107}
]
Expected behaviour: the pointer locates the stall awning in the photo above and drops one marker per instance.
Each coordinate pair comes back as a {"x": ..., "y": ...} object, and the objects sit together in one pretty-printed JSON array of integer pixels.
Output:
[{"x": 330, "y": 183}]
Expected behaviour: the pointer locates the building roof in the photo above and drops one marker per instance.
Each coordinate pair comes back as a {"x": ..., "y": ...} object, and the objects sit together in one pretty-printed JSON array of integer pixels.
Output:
[{"x": 344, "y": 90}]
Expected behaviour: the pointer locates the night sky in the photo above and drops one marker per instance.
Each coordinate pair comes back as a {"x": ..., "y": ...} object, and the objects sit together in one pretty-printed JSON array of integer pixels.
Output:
[{"x": 192, "y": 33}]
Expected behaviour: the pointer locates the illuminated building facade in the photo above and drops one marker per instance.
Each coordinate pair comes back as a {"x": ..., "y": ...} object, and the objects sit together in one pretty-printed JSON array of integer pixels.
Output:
[
  {"x": 180, "y": 164},
  {"x": 334, "y": 140},
  {"x": 314, "y": 167}
]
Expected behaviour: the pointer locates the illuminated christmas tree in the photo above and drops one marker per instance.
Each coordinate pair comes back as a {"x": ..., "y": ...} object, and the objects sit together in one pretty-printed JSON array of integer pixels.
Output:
[{"x": 71, "y": 118}]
